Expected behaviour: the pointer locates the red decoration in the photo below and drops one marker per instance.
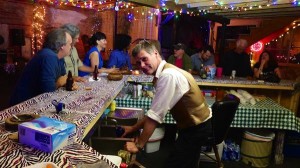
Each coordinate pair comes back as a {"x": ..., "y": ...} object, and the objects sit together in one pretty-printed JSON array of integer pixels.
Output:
[{"x": 257, "y": 46}]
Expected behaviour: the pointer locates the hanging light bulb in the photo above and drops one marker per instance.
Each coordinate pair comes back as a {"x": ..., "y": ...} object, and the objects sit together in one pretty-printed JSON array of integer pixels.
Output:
[{"x": 116, "y": 8}]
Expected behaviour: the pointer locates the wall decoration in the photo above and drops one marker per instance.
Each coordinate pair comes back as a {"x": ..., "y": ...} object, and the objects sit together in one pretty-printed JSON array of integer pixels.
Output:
[
  {"x": 96, "y": 22},
  {"x": 38, "y": 28},
  {"x": 257, "y": 46}
]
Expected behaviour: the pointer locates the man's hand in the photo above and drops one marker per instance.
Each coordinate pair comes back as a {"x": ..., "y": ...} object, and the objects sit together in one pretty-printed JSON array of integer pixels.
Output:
[
  {"x": 75, "y": 86},
  {"x": 61, "y": 81},
  {"x": 127, "y": 130},
  {"x": 108, "y": 70},
  {"x": 112, "y": 70},
  {"x": 79, "y": 79},
  {"x": 130, "y": 147}
]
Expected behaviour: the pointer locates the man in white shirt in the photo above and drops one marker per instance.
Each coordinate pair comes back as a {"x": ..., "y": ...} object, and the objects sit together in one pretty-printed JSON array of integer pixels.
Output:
[{"x": 177, "y": 91}]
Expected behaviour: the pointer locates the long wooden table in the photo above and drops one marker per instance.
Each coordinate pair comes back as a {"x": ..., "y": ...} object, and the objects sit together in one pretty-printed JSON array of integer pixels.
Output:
[
  {"x": 83, "y": 108},
  {"x": 282, "y": 93},
  {"x": 266, "y": 113}
]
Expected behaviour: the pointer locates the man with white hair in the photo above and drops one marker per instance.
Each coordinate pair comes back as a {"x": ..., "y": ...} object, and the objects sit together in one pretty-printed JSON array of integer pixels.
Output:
[
  {"x": 238, "y": 60},
  {"x": 45, "y": 72}
]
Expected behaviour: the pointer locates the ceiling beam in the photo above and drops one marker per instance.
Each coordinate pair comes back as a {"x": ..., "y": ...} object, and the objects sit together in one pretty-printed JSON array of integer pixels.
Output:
[
  {"x": 222, "y": 3},
  {"x": 260, "y": 11},
  {"x": 191, "y": 1},
  {"x": 238, "y": 3},
  {"x": 152, "y": 3},
  {"x": 261, "y": 14},
  {"x": 251, "y": 16}
]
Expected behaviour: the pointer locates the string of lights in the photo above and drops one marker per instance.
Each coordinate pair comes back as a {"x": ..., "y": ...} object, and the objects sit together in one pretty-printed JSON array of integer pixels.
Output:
[
  {"x": 38, "y": 28},
  {"x": 193, "y": 9},
  {"x": 219, "y": 6},
  {"x": 287, "y": 31},
  {"x": 103, "y": 5},
  {"x": 99, "y": 5}
]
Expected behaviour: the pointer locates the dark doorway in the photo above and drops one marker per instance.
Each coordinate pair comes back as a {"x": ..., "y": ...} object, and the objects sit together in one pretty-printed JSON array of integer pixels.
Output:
[{"x": 193, "y": 31}]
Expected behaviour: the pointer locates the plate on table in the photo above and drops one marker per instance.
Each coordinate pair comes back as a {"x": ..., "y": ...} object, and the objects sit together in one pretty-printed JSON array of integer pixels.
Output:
[
  {"x": 103, "y": 74},
  {"x": 43, "y": 165},
  {"x": 91, "y": 79}
]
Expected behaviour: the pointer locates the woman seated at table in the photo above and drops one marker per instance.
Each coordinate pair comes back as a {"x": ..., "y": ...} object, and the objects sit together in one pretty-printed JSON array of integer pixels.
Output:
[
  {"x": 93, "y": 57},
  {"x": 119, "y": 57},
  {"x": 266, "y": 65}
]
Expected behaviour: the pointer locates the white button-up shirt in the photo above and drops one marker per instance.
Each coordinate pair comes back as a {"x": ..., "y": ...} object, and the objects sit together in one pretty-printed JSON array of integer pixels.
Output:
[{"x": 170, "y": 87}]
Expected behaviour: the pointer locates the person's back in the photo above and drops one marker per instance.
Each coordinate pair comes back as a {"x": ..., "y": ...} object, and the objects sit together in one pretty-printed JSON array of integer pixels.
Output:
[{"x": 119, "y": 57}]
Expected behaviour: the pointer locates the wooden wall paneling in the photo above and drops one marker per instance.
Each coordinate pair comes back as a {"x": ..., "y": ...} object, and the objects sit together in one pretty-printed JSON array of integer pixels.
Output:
[
  {"x": 108, "y": 29},
  {"x": 4, "y": 33}
]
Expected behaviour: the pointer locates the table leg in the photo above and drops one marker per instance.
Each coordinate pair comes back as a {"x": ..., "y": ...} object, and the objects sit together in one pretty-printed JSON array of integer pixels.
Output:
[
  {"x": 219, "y": 94},
  {"x": 279, "y": 142},
  {"x": 294, "y": 103},
  {"x": 279, "y": 96}
]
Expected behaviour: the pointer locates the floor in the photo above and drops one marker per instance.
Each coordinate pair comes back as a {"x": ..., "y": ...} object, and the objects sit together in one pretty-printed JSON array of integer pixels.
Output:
[{"x": 157, "y": 159}]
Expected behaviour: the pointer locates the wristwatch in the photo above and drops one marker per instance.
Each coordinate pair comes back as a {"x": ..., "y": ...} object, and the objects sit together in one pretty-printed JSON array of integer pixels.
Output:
[{"x": 138, "y": 146}]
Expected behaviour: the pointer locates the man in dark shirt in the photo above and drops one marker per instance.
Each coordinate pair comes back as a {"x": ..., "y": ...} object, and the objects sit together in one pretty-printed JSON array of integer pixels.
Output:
[
  {"x": 45, "y": 72},
  {"x": 237, "y": 60}
]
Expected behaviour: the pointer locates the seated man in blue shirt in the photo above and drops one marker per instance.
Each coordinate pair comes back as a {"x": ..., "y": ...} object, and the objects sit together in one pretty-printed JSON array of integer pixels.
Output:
[
  {"x": 45, "y": 72},
  {"x": 119, "y": 57},
  {"x": 204, "y": 56}
]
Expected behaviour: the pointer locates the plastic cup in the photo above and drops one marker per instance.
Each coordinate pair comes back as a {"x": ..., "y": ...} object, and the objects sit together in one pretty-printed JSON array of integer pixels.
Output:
[
  {"x": 219, "y": 72},
  {"x": 212, "y": 72}
]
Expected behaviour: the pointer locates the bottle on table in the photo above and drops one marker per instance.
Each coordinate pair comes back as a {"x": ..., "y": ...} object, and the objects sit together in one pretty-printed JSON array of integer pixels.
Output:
[
  {"x": 208, "y": 73},
  {"x": 203, "y": 73},
  {"x": 70, "y": 81},
  {"x": 95, "y": 73},
  {"x": 261, "y": 75}
]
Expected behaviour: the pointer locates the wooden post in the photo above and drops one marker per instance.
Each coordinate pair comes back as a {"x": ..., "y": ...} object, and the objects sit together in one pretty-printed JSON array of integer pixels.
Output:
[{"x": 279, "y": 142}]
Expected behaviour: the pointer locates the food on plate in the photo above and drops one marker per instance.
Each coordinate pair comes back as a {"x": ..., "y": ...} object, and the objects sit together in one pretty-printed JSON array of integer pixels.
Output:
[
  {"x": 115, "y": 76},
  {"x": 125, "y": 71},
  {"x": 88, "y": 88}
]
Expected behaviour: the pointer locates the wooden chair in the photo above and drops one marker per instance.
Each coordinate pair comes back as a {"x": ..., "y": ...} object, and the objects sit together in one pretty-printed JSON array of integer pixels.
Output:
[{"x": 222, "y": 115}]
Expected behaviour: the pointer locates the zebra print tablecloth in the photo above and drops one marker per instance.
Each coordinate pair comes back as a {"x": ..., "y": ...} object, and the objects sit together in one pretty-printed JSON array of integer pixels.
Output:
[
  {"x": 82, "y": 106},
  {"x": 16, "y": 155}
]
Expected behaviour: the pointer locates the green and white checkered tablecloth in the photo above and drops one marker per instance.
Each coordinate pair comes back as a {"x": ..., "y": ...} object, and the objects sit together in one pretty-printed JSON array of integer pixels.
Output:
[{"x": 264, "y": 114}]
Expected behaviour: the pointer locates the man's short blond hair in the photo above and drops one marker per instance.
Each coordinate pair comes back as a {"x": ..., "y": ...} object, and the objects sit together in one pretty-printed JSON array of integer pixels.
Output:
[{"x": 148, "y": 46}]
